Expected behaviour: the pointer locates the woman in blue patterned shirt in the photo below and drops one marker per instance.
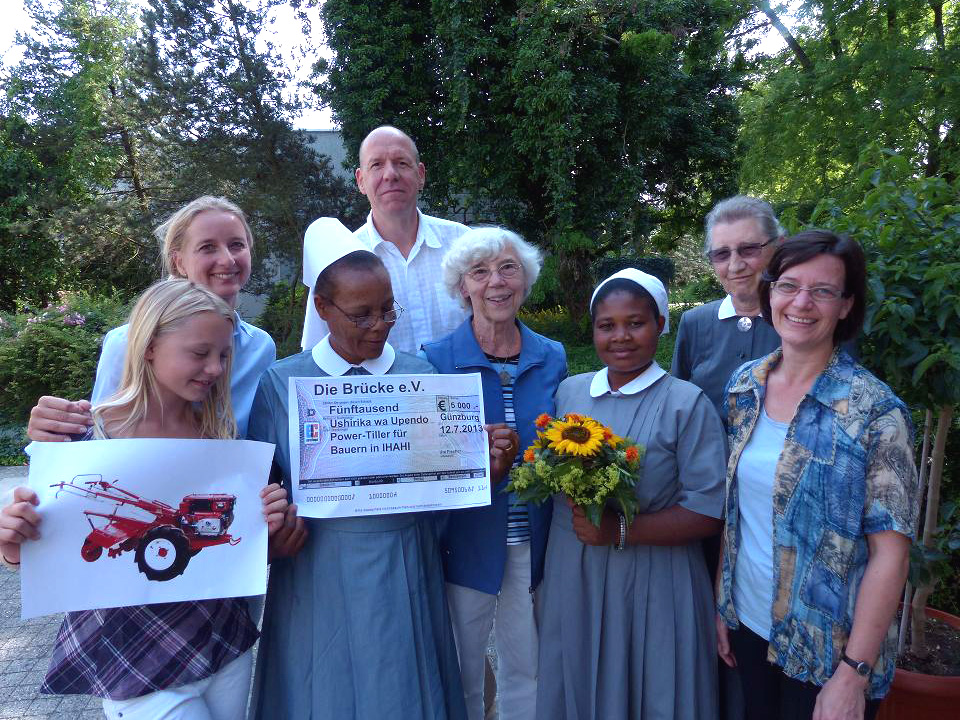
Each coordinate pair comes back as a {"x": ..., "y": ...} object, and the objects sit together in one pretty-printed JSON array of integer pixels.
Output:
[{"x": 821, "y": 490}]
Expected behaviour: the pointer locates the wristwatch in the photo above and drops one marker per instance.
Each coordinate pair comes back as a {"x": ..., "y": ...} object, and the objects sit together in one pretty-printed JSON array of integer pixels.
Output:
[{"x": 863, "y": 670}]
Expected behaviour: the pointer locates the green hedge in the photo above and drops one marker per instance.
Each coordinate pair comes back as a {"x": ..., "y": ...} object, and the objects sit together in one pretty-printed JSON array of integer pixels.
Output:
[
  {"x": 52, "y": 351},
  {"x": 13, "y": 438},
  {"x": 282, "y": 317}
]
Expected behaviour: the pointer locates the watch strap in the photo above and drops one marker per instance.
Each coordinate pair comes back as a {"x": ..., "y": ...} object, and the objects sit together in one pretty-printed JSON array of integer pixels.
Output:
[{"x": 862, "y": 669}]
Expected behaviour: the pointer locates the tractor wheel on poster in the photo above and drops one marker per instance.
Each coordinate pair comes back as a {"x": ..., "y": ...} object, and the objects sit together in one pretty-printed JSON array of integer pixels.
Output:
[
  {"x": 163, "y": 553},
  {"x": 90, "y": 551}
]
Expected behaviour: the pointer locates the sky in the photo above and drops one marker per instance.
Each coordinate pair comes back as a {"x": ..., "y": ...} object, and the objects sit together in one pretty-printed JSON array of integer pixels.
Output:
[{"x": 285, "y": 26}]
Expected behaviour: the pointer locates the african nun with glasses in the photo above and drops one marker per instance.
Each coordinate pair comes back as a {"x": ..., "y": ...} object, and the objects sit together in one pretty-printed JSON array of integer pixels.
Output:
[
  {"x": 626, "y": 618},
  {"x": 356, "y": 622}
]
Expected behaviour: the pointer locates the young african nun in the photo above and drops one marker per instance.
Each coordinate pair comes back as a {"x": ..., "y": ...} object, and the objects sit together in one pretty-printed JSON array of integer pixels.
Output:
[
  {"x": 356, "y": 623},
  {"x": 626, "y": 610}
]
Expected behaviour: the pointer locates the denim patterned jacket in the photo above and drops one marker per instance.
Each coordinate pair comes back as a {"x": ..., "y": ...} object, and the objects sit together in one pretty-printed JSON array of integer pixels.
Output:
[{"x": 846, "y": 470}]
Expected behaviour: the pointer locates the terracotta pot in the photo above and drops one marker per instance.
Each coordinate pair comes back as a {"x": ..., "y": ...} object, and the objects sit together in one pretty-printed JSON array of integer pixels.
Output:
[{"x": 916, "y": 696}]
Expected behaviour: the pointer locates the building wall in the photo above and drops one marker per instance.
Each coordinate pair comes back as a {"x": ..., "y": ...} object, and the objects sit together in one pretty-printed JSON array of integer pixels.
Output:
[{"x": 329, "y": 143}]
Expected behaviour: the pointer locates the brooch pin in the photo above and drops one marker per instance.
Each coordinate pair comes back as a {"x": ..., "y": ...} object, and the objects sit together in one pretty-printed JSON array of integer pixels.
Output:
[{"x": 744, "y": 324}]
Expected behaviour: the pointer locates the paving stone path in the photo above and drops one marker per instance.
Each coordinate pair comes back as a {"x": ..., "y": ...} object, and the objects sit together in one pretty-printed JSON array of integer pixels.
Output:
[{"x": 25, "y": 647}]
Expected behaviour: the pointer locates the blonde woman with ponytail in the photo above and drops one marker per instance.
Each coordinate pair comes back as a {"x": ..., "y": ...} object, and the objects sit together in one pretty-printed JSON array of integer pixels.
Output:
[
  {"x": 171, "y": 660},
  {"x": 207, "y": 241}
]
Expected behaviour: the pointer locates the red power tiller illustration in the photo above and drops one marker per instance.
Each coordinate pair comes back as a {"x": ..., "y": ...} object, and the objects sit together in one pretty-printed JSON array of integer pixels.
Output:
[{"x": 163, "y": 545}]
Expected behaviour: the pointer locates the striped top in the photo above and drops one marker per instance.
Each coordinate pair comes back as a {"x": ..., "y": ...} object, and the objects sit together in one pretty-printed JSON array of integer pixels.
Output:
[{"x": 518, "y": 519}]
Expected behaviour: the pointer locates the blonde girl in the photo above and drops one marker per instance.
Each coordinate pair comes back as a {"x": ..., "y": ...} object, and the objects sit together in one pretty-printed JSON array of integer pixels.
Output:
[
  {"x": 170, "y": 660},
  {"x": 209, "y": 242}
]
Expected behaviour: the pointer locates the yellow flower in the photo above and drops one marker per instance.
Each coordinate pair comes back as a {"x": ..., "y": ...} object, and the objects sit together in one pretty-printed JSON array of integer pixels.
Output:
[
  {"x": 583, "y": 437},
  {"x": 613, "y": 440}
]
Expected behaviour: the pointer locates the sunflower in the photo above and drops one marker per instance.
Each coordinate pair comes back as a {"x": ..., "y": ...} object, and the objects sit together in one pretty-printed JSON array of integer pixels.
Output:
[{"x": 583, "y": 437}]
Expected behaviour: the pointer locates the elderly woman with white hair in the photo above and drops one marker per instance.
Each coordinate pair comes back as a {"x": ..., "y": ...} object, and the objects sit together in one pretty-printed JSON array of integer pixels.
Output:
[{"x": 493, "y": 556}]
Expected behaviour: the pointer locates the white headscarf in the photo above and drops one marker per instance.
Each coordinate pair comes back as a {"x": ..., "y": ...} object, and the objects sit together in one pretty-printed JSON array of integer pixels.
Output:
[
  {"x": 649, "y": 283},
  {"x": 326, "y": 241}
]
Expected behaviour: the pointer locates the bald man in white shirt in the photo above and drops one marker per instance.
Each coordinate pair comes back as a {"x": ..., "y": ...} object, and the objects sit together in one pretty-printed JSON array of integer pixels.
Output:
[{"x": 409, "y": 243}]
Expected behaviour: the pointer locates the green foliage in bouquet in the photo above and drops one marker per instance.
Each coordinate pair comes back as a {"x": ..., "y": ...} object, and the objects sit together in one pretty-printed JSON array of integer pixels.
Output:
[{"x": 583, "y": 459}]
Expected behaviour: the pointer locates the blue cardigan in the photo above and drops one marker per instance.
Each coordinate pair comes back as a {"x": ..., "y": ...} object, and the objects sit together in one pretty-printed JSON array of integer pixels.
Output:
[{"x": 474, "y": 544}]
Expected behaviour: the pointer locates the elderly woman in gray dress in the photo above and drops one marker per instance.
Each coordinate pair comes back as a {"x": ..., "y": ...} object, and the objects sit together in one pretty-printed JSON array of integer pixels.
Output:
[
  {"x": 716, "y": 338},
  {"x": 626, "y": 619}
]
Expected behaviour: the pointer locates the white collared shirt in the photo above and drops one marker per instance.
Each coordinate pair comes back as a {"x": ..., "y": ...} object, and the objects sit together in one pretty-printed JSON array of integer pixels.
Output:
[
  {"x": 727, "y": 310},
  {"x": 429, "y": 312},
  {"x": 600, "y": 385},
  {"x": 330, "y": 361}
]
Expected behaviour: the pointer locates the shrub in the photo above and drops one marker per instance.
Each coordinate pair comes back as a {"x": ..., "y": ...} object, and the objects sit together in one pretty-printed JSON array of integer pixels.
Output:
[
  {"x": 13, "y": 438},
  {"x": 282, "y": 316},
  {"x": 52, "y": 351},
  {"x": 701, "y": 289},
  {"x": 548, "y": 292}
]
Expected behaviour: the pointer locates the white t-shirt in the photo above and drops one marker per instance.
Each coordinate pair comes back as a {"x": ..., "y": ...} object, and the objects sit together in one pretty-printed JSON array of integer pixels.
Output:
[{"x": 753, "y": 571}]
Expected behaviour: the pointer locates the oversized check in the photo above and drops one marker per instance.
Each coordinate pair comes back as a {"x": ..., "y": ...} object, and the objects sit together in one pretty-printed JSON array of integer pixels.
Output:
[{"x": 370, "y": 445}]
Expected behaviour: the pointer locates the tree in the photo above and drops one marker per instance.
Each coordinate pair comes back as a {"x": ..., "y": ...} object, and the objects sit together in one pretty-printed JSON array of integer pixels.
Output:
[
  {"x": 589, "y": 127},
  {"x": 386, "y": 69},
  {"x": 29, "y": 257},
  {"x": 67, "y": 149},
  {"x": 910, "y": 228},
  {"x": 853, "y": 73},
  {"x": 216, "y": 88}
]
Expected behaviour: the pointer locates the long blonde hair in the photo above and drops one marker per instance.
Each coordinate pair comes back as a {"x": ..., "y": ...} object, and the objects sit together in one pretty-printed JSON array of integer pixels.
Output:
[
  {"x": 171, "y": 233},
  {"x": 163, "y": 308}
]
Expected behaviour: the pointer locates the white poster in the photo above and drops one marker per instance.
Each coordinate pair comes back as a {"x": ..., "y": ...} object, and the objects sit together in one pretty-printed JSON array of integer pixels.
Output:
[
  {"x": 369, "y": 445},
  {"x": 133, "y": 522}
]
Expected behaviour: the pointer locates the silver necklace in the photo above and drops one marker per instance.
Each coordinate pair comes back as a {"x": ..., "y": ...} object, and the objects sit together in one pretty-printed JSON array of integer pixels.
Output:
[{"x": 505, "y": 377}]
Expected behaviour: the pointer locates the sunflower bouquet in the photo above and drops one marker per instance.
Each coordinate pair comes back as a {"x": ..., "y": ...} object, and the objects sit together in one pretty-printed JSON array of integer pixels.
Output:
[{"x": 582, "y": 458}]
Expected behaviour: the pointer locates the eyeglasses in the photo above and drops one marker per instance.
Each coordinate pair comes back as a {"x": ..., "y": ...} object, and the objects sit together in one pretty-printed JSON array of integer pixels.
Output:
[
  {"x": 506, "y": 271},
  {"x": 365, "y": 322},
  {"x": 750, "y": 250},
  {"x": 818, "y": 294}
]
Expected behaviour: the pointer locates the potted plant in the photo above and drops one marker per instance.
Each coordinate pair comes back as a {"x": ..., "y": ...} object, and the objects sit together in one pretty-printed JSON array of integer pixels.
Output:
[{"x": 910, "y": 228}]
